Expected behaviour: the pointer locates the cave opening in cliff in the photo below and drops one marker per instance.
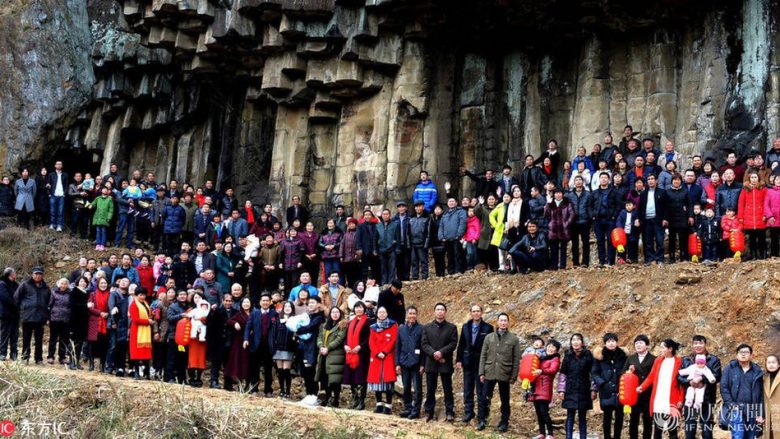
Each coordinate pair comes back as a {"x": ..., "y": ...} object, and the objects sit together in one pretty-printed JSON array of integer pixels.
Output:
[{"x": 77, "y": 159}]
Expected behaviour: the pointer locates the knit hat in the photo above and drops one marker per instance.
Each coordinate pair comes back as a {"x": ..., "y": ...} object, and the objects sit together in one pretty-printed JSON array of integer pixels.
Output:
[
  {"x": 701, "y": 359},
  {"x": 351, "y": 220}
]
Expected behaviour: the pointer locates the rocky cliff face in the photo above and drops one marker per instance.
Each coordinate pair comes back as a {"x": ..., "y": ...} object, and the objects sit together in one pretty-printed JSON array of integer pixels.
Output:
[{"x": 345, "y": 101}]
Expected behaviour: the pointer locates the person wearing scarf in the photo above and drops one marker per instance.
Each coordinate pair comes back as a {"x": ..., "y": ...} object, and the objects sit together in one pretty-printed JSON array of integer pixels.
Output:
[
  {"x": 97, "y": 332},
  {"x": 381, "y": 370},
  {"x": 140, "y": 333},
  {"x": 330, "y": 364},
  {"x": 358, "y": 355}
]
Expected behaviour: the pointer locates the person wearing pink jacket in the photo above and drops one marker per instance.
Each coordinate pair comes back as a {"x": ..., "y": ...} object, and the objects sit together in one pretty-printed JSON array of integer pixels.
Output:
[
  {"x": 772, "y": 214},
  {"x": 471, "y": 237}
]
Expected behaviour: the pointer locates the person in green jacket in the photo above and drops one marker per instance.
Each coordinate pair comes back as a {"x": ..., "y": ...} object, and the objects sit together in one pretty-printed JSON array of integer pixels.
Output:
[
  {"x": 499, "y": 364},
  {"x": 104, "y": 210},
  {"x": 330, "y": 363}
]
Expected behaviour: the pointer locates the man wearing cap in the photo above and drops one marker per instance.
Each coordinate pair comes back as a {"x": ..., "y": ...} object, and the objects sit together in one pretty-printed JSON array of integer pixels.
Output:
[
  {"x": 32, "y": 299},
  {"x": 9, "y": 315},
  {"x": 404, "y": 250}
]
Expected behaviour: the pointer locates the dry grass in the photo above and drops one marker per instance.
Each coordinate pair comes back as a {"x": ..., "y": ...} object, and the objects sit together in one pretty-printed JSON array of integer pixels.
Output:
[
  {"x": 24, "y": 249},
  {"x": 82, "y": 408}
]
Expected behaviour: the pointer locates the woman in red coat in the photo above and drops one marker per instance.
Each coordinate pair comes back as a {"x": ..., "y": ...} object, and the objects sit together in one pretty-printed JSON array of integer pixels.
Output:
[
  {"x": 543, "y": 387},
  {"x": 381, "y": 369},
  {"x": 667, "y": 396},
  {"x": 238, "y": 357},
  {"x": 146, "y": 274},
  {"x": 751, "y": 215},
  {"x": 140, "y": 333},
  {"x": 97, "y": 329}
]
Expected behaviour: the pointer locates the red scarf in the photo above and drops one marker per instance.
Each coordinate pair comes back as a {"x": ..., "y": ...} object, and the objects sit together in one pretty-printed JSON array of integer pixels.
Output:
[
  {"x": 353, "y": 339},
  {"x": 548, "y": 169},
  {"x": 101, "y": 303},
  {"x": 640, "y": 172},
  {"x": 250, "y": 215}
]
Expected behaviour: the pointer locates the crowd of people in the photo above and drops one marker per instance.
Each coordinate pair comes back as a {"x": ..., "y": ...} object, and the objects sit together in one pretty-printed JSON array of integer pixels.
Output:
[{"x": 209, "y": 283}]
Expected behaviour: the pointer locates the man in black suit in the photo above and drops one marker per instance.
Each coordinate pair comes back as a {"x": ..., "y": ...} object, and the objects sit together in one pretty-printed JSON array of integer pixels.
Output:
[
  {"x": 256, "y": 333},
  {"x": 297, "y": 211},
  {"x": 472, "y": 335}
]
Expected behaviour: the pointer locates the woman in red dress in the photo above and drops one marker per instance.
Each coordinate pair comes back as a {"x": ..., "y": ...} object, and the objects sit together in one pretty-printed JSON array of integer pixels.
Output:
[
  {"x": 197, "y": 351},
  {"x": 381, "y": 369},
  {"x": 140, "y": 332},
  {"x": 97, "y": 329},
  {"x": 238, "y": 357}
]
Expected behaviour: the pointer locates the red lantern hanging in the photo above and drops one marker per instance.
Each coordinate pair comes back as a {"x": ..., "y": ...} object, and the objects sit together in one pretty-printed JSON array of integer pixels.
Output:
[
  {"x": 528, "y": 364},
  {"x": 694, "y": 247},
  {"x": 737, "y": 243},
  {"x": 182, "y": 335},
  {"x": 619, "y": 240},
  {"x": 628, "y": 395}
]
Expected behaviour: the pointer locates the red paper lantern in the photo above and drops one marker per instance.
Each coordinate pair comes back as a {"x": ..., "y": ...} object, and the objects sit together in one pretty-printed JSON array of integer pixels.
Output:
[
  {"x": 182, "y": 336},
  {"x": 528, "y": 364},
  {"x": 737, "y": 243},
  {"x": 694, "y": 247},
  {"x": 627, "y": 391},
  {"x": 619, "y": 240}
]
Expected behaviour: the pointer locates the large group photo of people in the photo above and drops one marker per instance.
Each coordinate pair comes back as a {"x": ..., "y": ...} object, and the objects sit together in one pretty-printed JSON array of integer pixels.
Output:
[{"x": 188, "y": 284}]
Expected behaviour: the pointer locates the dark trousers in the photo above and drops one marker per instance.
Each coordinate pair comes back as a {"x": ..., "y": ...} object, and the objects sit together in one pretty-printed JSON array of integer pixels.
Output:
[
  {"x": 582, "y": 414},
  {"x": 653, "y": 240},
  {"x": 412, "y": 380},
  {"x": 602, "y": 228},
  {"x": 176, "y": 363},
  {"x": 28, "y": 331},
  {"x": 159, "y": 352},
  {"x": 97, "y": 349},
  {"x": 290, "y": 281},
  {"x": 126, "y": 222},
  {"x": 658, "y": 431},
  {"x": 678, "y": 234},
  {"x": 693, "y": 419},
  {"x": 640, "y": 412},
  {"x": 487, "y": 396},
  {"x": 308, "y": 374},
  {"x": 172, "y": 243},
  {"x": 438, "y": 261},
  {"x": 489, "y": 257},
  {"x": 216, "y": 355},
  {"x": 528, "y": 261},
  {"x": 59, "y": 332},
  {"x": 387, "y": 260},
  {"x": 419, "y": 263},
  {"x": 470, "y": 382},
  {"x": 558, "y": 249},
  {"x": 756, "y": 243},
  {"x": 774, "y": 237},
  {"x": 350, "y": 272},
  {"x": 612, "y": 429},
  {"x": 542, "y": 409},
  {"x": 9, "y": 337},
  {"x": 431, "y": 382},
  {"x": 710, "y": 251},
  {"x": 23, "y": 218},
  {"x": 118, "y": 356},
  {"x": 403, "y": 263},
  {"x": 580, "y": 235},
  {"x": 258, "y": 360},
  {"x": 369, "y": 266},
  {"x": 631, "y": 252},
  {"x": 454, "y": 256},
  {"x": 79, "y": 223}
]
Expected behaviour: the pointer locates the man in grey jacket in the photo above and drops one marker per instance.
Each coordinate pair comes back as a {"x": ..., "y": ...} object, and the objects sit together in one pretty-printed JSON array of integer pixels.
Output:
[
  {"x": 498, "y": 364},
  {"x": 451, "y": 230},
  {"x": 32, "y": 299}
]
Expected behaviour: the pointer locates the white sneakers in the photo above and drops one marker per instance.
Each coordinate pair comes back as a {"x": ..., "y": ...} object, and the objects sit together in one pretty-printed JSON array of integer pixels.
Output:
[{"x": 310, "y": 401}]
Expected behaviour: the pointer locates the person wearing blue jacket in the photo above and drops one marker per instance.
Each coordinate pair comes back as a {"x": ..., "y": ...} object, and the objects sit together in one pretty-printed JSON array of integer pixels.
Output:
[
  {"x": 451, "y": 230},
  {"x": 741, "y": 387},
  {"x": 126, "y": 270},
  {"x": 582, "y": 157},
  {"x": 307, "y": 349},
  {"x": 426, "y": 192},
  {"x": 173, "y": 217},
  {"x": 256, "y": 339},
  {"x": 408, "y": 363},
  {"x": 387, "y": 243},
  {"x": 125, "y": 201}
]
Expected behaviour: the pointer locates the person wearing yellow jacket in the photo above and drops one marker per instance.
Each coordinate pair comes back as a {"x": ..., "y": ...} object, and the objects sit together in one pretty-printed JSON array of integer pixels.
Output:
[{"x": 498, "y": 222}]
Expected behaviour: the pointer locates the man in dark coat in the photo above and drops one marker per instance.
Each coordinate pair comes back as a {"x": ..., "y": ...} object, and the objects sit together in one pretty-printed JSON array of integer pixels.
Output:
[
  {"x": 705, "y": 415},
  {"x": 678, "y": 218},
  {"x": 366, "y": 243},
  {"x": 741, "y": 387},
  {"x": 297, "y": 211},
  {"x": 439, "y": 341},
  {"x": 215, "y": 337},
  {"x": 641, "y": 363},
  {"x": 408, "y": 363},
  {"x": 9, "y": 315},
  {"x": 472, "y": 335},
  {"x": 256, "y": 340},
  {"x": 393, "y": 301},
  {"x": 32, "y": 299},
  {"x": 486, "y": 183}
]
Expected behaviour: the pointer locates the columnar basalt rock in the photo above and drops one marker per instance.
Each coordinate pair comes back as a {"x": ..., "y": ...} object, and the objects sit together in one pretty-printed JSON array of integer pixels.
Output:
[{"x": 345, "y": 101}]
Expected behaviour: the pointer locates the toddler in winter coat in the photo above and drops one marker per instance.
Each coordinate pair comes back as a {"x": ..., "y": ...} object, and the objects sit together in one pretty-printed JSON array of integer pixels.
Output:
[
  {"x": 537, "y": 347},
  {"x": 694, "y": 397},
  {"x": 728, "y": 223},
  {"x": 708, "y": 230},
  {"x": 201, "y": 311},
  {"x": 628, "y": 220},
  {"x": 470, "y": 238}
]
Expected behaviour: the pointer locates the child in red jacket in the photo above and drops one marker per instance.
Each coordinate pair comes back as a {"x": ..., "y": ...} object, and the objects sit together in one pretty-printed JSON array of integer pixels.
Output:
[{"x": 728, "y": 223}]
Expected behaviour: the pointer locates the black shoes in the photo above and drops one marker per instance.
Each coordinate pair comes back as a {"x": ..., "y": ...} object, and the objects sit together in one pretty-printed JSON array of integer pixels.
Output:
[
  {"x": 405, "y": 413},
  {"x": 502, "y": 427},
  {"x": 413, "y": 415},
  {"x": 468, "y": 418},
  {"x": 379, "y": 408},
  {"x": 429, "y": 417},
  {"x": 481, "y": 425},
  {"x": 450, "y": 417}
]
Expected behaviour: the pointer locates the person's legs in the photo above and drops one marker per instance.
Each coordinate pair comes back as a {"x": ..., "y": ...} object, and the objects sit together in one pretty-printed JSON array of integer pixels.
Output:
[
  {"x": 52, "y": 210},
  {"x": 601, "y": 229},
  {"x": 483, "y": 410},
  {"x": 38, "y": 334},
  {"x": 406, "y": 379},
  {"x": 470, "y": 380},
  {"x": 539, "y": 417},
  {"x": 570, "y": 414},
  {"x": 546, "y": 419},
  {"x": 582, "y": 417},
  {"x": 431, "y": 381},
  {"x": 438, "y": 261},
  {"x": 27, "y": 330},
  {"x": 606, "y": 423},
  {"x": 617, "y": 432},
  {"x": 774, "y": 236},
  {"x": 267, "y": 363},
  {"x": 503, "y": 394},
  {"x": 451, "y": 256},
  {"x": 449, "y": 398}
]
